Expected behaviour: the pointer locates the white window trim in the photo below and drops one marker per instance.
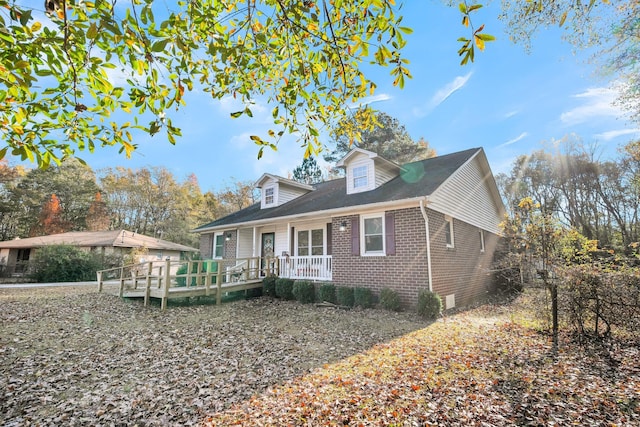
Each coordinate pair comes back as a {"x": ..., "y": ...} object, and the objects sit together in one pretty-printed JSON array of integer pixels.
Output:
[
  {"x": 213, "y": 245},
  {"x": 482, "y": 241},
  {"x": 264, "y": 195},
  {"x": 449, "y": 221},
  {"x": 365, "y": 176},
  {"x": 310, "y": 247},
  {"x": 363, "y": 245}
]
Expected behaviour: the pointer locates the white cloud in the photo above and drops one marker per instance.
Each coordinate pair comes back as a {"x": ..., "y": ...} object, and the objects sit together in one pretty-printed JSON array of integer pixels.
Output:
[
  {"x": 443, "y": 94},
  {"x": 520, "y": 137},
  {"x": 511, "y": 114},
  {"x": 609, "y": 135},
  {"x": 596, "y": 102},
  {"x": 370, "y": 100}
]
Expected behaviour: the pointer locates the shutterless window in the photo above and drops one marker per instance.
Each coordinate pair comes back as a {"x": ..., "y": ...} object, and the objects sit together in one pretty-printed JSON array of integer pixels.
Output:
[
  {"x": 360, "y": 178},
  {"x": 218, "y": 245},
  {"x": 268, "y": 196},
  {"x": 481, "y": 240},
  {"x": 448, "y": 231},
  {"x": 373, "y": 235}
]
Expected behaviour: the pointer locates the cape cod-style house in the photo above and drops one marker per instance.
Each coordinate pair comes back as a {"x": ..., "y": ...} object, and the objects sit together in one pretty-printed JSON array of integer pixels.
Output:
[{"x": 431, "y": 224}]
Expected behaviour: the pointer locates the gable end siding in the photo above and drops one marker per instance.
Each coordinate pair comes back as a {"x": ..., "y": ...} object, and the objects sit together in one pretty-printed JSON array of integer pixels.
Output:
[{"x": 466, "y": 196}]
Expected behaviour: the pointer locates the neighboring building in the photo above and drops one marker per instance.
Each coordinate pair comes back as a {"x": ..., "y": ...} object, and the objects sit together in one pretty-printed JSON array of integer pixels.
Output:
[
  {"x": 15, "y": 254},
  {"x": 431, "y": 224}
]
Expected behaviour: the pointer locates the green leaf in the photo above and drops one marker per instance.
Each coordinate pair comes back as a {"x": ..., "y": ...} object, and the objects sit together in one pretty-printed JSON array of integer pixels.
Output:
[
  {"x": 236, "y": 114},
  {"x": 159, "y": 45},
  {"x": 92, "y": 32}
]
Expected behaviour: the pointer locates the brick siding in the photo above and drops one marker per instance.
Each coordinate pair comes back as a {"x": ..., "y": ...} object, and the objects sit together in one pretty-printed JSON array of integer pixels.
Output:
[{"x": 458, "y": 270}]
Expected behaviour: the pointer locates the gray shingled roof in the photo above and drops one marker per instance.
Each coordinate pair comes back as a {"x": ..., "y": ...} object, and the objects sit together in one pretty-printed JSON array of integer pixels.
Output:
[
  {"x": 115, "y": 238},
  {"x": 418, "y": 179}
]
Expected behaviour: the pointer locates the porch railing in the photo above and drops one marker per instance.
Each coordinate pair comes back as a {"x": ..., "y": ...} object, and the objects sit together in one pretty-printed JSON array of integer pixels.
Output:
[{"x": 316, "y": 267}]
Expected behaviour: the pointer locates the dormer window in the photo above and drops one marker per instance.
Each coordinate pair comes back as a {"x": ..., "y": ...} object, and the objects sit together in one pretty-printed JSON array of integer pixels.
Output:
[
  {"x": 269, "y": 196},
  {"x": 360, "y": 177}
]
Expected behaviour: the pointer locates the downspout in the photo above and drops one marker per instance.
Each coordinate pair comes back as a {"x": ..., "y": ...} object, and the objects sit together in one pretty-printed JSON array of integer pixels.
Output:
[{"x": 423, "y": 210}]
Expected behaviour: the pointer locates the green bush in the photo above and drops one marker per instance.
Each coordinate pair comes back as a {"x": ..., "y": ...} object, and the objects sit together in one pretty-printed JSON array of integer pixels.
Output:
[
  {"x": 182, "y": 281},
  {"x": 389, "y": 299},
  {"x": 254, "y": 293},
  {"x": 63, "y": 263},
  {"x": 304, "y": 291},
  {"x": 284, "y": 288},
  {"x": 327, "y": 293},
  {"x": 269, "y": 285},
  {"x": 429, "y": 304},
  {"x": 345, "y": 296},
  {"x": 363, "y": 297}
]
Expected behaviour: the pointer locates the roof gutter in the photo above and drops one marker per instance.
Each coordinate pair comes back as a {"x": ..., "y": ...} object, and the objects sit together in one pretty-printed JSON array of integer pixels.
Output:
[{"x": 423, "y": 203}]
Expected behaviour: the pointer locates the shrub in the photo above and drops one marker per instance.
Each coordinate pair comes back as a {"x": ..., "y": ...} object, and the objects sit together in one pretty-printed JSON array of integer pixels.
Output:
[
  {"x": 389, "y": 299},
  {"x": 601, "y": 302},
  {"x": 254, "y": 293},
  {"x": 284, "y": 288},
  {"x": 363, "y": 297},
  {"x": 304, "y": 291},
  {"x": 507, "y": 281},
  {"x": 269, "y": 285},
  {"x": 345, "y": 296},
  {"x": 64, "y": 263},
  {"x": 429, "y": 304},
  {"x": 327, "y": 293}
]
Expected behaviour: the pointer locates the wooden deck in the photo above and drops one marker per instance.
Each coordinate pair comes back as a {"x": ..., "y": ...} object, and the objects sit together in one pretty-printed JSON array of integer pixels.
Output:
[{"x": 165, "y": 280}]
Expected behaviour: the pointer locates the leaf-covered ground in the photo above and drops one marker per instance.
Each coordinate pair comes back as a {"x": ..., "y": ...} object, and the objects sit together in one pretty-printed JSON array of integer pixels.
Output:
[{"x": 69, "y": 357}]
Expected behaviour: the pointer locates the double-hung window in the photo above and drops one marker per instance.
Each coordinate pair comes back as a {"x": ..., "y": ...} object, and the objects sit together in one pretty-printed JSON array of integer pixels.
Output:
[
  {"x": 218, "y": 245},
  {"x": 373, "y": 234},
  {"x": 310, "y": 242},
  {"x": 360, "y": 177},
  {"x": 481, "y": 240},
  {"x": 269, "y": 196}
]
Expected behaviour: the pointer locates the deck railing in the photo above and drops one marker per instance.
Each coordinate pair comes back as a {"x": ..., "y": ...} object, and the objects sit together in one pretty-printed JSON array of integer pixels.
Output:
[
  {"x": 161, "y": 278},
  {"x": 317, "y": 267}
]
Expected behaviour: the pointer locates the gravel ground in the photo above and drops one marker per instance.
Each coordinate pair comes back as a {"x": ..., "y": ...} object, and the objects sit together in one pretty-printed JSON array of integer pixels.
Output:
[{"x": 70, "y": 356}]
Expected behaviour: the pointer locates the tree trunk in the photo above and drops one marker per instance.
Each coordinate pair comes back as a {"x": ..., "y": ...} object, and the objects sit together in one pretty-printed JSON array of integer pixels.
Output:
[{"x": 554, "y": 315}]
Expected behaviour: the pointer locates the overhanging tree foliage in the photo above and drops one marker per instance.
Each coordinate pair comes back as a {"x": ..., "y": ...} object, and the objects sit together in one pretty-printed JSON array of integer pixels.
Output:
[
  {"x": 611, "y": 26},
  {"x": 88, "y": 73}
]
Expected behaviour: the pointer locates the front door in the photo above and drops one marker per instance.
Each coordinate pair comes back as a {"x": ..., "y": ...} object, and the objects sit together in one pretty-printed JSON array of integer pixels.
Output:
[{"x": 267, "y": 252}]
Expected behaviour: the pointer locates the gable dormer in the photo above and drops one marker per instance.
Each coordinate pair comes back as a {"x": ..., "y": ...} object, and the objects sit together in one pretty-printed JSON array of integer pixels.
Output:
[
  {"x": 366, "y": 170},
  {"x": 276, "y": 190}
]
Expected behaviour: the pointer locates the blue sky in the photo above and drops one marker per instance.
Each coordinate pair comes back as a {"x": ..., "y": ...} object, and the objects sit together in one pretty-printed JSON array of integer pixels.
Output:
[{"x": 508, "y": 101}]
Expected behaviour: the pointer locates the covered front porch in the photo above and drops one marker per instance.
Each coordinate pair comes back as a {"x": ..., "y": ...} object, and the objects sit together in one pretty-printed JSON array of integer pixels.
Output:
[{"x": 301, "y": 249}]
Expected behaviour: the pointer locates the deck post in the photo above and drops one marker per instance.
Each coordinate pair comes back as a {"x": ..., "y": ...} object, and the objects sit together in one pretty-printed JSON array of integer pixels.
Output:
[
  {"x": 207, "y": 282},
  {"x": 167, "y": 283},
  {"x": 219, "y": 286},
  {"x": 121, "y": 291},
  {"x": 147, "y": 291},
  {"x": 99, "y": 273}
]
